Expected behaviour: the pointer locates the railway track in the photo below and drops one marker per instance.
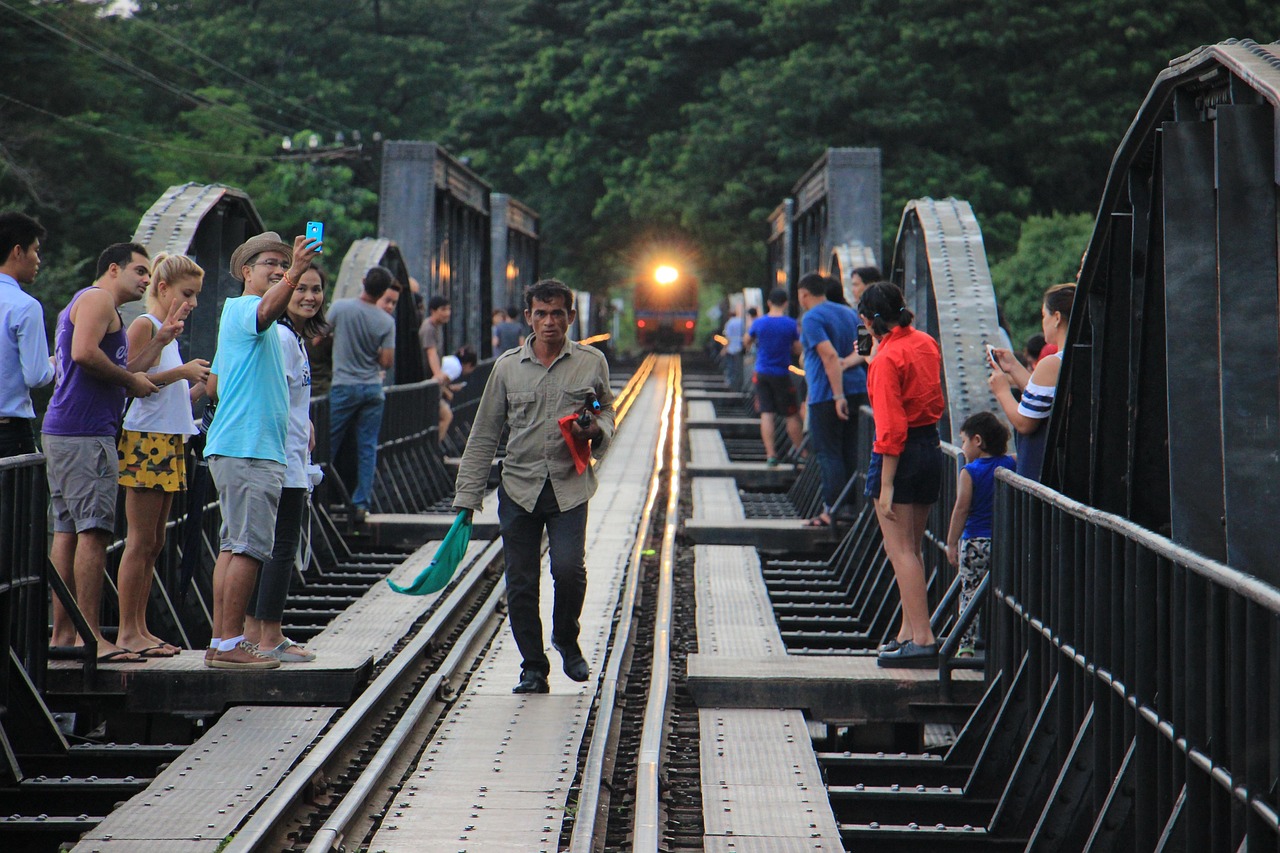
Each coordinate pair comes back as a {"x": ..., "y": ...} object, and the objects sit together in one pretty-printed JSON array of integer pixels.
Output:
[{"x": 353, "y": 779}]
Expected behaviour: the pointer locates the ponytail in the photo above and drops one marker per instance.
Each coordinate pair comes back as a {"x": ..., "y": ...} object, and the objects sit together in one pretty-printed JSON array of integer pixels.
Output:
[{"x": 883, "y": 308}]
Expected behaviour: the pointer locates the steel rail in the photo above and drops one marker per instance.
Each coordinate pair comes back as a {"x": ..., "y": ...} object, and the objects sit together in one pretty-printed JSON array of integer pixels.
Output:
[
  {"x": 259, "y": 828},
  {"x": 647, "y": 830},
  {"x": 332, "y": 834},
  {"x": 591, "y": 806}
]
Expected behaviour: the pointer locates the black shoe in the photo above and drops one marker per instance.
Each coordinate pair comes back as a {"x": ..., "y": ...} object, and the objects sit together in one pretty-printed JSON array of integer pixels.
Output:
[
  {"x": 575, "y": 665},
  {"x": 531, "y": 681},
  {"x": 910, "y": 656}
]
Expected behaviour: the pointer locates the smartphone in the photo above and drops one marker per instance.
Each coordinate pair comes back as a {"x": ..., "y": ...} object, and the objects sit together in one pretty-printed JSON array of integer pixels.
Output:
[
  {"x": 991, "y": 357},
  {"x": 315, "y": 231},
  {"x": 864, "y": 341}
]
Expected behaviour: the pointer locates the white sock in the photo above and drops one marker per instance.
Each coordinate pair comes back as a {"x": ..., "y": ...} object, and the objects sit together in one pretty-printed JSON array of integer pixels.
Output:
[
  {"x": 228, "y": 645},
  {"x": 215, "y": 643}
]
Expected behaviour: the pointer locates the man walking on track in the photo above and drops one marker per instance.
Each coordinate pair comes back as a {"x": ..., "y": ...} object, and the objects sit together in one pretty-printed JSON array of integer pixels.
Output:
[
  {"x": 532, "y": 390},
  {"x": 777, "y": 342}
]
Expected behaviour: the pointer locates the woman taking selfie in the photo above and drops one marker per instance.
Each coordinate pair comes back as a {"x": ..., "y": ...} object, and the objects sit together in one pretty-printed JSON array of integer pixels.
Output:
[{"x": 904, "y": 477}]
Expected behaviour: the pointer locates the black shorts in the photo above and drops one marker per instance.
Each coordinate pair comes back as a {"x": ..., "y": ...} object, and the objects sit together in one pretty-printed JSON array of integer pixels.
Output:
[
  {"x": 919, "y": 476},
  {"x": 777, "y": 394}
]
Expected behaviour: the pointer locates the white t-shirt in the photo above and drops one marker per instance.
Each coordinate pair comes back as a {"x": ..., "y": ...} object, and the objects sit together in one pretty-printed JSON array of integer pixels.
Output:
[
  {"x": 297, "y": 370},
  {"x": 169, "y": 409}
]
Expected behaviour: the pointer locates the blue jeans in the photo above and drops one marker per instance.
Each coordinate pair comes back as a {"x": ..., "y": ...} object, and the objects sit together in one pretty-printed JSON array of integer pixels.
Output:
[
  {"x": 361, "y": 406},
  {"x": 836, "y": 444}
]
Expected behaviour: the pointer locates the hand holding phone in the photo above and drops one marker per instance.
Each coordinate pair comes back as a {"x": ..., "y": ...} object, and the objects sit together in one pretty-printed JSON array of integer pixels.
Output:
[
  {"x": 315, "y": 231},
  {"x": 991, "y": 358}
]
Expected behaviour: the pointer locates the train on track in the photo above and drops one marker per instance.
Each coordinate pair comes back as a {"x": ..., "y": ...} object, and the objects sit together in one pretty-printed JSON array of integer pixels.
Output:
[{"x": 665, "y": 306}]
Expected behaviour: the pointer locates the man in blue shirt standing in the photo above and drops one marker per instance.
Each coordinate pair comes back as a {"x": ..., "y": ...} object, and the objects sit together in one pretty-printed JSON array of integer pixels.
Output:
[
  {"x": 829, "y": 332},
  {"x": 777, "y": 340},
  {"x": 24, "y": 351},
  {"x": 245, "y": 444}
]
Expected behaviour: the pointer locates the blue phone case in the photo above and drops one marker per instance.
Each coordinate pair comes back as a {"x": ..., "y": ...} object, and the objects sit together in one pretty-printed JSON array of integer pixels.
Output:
[{"x": 315, "y": 231}]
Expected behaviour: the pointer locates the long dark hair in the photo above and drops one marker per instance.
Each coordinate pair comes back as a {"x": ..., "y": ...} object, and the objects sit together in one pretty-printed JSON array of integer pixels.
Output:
[
  {"x": 882, "y": 307},
  {"x": 316, "y": 326}
]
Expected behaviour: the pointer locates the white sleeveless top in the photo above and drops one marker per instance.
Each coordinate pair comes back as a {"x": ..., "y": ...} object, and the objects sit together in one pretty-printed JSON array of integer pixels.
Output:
[{"x": 169, "y": 409}]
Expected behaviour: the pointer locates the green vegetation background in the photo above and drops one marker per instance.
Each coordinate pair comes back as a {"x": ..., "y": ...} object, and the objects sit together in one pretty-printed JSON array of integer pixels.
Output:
[{"x": 625, "y": 123}]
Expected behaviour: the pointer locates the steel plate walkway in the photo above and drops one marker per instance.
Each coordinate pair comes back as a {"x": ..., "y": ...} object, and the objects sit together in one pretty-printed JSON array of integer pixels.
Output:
[{"x": 520, "y": 753}]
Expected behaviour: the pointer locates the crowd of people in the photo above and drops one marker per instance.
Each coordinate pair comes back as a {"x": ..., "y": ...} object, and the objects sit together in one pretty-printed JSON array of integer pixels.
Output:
[
  {"x": 869, "y": 352},
  {"x": 121, "y": 417}
]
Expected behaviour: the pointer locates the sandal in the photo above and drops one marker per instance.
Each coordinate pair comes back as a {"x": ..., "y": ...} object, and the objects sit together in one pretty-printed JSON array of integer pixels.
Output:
[{"x": 818, "y": 521}]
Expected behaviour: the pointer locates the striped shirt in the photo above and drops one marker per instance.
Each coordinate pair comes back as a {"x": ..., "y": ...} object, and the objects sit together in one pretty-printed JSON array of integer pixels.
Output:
[{"x": 1037, "y": 400}]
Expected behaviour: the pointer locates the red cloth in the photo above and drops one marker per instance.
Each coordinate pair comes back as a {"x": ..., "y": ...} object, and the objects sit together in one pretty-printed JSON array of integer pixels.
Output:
[
  {"x": 904, "y": 385},
  {"x": 579, "y": 448},
  {"x": 1049, "y": 349}
]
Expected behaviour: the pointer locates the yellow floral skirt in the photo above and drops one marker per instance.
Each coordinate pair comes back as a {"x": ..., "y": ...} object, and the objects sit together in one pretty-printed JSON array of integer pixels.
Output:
[{"x": 153, "y": 460}]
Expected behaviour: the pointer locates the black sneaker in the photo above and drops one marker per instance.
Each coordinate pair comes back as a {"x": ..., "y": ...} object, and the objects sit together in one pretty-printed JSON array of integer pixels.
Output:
[
  {"x": 575, "y": 665},
  {"x": 531, "y": 681}
]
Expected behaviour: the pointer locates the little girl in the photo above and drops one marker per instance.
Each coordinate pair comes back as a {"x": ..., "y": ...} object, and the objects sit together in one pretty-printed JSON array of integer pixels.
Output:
[
  {"x": 983, "y": 442},
  {"x": 153, "y": 448}
]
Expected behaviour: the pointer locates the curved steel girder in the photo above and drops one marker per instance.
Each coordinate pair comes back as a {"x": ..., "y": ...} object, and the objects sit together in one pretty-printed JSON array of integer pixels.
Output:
[
  {"x": 846, "y": 258},
  {"x": 171, "y": 223},
  {"x": 940, "y": 263},
  {"x": 363, "y": 254}
]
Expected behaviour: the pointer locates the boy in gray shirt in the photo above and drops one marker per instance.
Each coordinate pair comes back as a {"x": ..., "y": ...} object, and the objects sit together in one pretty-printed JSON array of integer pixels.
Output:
[{"x": 364, "y": 340}]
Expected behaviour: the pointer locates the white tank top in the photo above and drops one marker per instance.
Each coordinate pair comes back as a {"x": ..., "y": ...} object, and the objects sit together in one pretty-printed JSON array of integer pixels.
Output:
[{"x": 169, "y": 409}]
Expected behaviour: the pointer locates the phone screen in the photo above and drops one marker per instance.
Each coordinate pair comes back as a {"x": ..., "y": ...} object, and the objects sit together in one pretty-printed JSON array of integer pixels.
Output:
[{"x": 315, "y": 231}]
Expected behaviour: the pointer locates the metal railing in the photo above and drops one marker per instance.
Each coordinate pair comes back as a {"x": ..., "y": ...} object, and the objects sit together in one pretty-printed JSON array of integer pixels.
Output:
[{"x": 1166, "y": 666}]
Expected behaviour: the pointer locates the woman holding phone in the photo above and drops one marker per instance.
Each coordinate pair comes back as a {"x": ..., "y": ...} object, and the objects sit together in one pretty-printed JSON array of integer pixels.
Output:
[
  {"x": 904, "y": 478},
  {"x": 1030, "y": 415}
]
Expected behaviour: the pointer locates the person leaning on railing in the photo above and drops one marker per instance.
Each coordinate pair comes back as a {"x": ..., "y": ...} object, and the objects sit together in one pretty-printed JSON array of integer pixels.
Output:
[
  {"x": 1030, "y": 415},
  {"x": 904, "y": 476}
]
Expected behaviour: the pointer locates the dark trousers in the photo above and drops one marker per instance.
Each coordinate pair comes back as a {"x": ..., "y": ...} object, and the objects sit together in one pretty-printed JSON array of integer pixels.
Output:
[
  {"x": 835, "y": 442},
  {"x": 15, "y": 438},
  {"x": 272, "y": 590},
  {"x": 522, "y": 548}
]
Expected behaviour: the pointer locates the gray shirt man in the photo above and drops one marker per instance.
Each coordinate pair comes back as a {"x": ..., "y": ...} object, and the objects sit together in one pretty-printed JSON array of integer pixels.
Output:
[{"x": 360, "y": 330}]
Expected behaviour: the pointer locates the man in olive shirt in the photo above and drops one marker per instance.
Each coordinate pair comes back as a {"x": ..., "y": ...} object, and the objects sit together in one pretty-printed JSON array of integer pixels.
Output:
[{"x": 530, "y": 390}]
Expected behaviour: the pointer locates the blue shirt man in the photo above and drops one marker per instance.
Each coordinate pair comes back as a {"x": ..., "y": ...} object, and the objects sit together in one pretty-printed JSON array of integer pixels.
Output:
[
  {"x": 828, "y": 333},
  {"x": 24, "y": 351}
]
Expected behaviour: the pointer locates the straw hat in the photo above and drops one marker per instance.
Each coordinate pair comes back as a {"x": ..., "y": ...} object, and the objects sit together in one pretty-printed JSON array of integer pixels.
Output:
[{"x": 268, "y": 241}]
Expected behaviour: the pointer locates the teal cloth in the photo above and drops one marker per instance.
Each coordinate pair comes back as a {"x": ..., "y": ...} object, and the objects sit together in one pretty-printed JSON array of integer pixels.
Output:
[{"x": 439, "y": 571}]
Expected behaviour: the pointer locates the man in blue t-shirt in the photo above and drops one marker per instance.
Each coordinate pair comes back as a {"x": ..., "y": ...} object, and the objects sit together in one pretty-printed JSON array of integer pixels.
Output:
[
  {"x": 777, "y": 340},
  {"x": 245, "y": 444},
  {"x": 829, "y": 332}
]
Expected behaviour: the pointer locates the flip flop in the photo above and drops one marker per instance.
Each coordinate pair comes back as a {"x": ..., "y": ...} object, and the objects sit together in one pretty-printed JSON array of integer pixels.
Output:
[
  {"x": 117, "y": 655},
  {"x": 159, "y": 651},
  {"x": 818, "y": 521}
]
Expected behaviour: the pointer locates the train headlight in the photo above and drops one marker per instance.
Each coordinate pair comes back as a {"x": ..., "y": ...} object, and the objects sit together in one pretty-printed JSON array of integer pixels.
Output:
[{"x": 666, "y": 274}]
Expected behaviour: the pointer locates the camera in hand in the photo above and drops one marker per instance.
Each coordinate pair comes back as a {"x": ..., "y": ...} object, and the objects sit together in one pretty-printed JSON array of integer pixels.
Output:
[
  {"x": 589, "y": 410},
  {"x": 864, "y": 341}
]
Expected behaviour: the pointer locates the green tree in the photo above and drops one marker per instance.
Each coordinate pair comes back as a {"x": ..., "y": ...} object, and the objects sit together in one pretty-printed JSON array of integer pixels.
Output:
[{"x": 1048, "y": 253}]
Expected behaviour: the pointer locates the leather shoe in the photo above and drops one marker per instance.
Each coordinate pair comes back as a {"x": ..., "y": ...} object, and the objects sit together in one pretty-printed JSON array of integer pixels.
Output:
[
  {"x": 575, "y": 665},
  {"x": 910, "y": 655},
  {"x": 531, "y": 681}
]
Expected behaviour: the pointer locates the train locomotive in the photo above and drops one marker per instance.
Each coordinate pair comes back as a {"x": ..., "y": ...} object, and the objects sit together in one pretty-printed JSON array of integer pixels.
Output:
[{"x": 665, "y": 306}]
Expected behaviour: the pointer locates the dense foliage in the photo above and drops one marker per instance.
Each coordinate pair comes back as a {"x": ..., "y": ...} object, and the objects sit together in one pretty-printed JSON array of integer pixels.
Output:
[{"x": 622, "y": 121}]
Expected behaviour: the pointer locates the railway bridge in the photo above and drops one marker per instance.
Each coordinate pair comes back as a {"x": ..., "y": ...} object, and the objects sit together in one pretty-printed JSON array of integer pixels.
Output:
[{"x": 1128, "y": 696}]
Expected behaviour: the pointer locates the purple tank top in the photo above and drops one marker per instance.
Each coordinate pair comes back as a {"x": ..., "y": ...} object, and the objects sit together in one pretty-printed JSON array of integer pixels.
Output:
[{"x": 82, "y": 404}]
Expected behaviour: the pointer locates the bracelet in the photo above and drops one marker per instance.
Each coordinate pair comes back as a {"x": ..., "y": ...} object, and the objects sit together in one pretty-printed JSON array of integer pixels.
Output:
[
  {"x": 840, "y": 397},
  {"x": 290, "y": 284}
]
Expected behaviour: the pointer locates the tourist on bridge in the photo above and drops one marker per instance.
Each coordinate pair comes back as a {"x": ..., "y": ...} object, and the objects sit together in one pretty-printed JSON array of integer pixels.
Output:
[
  {"x": 734, "y": 331},
  {"x": 153, "y": 447},
  {"x": 245, "y": 446},
  {"x": 983, "y": 441},
  {"x": 364, "y": 345},
  {"x": 828, "y": 333},
  {"x": 303, "y": 321},
  {"x": 96, "y": 372},
  {"x": 429, "y": 333},
  {"x": 530, "y": 391},
  {"x": 904, "y": 477},
  {"x": 507, "y": 333},
  {"x": 24, "y": 353},
  {"x": 777, "y": 341},
  {"x": 1030, "y": 415}
]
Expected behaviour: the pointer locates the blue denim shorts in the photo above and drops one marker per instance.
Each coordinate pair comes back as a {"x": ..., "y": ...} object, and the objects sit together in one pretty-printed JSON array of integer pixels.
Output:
[{"x": 919, "y": 476}]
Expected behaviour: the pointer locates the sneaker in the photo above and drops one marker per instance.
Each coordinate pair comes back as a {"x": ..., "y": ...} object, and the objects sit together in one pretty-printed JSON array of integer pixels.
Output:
[
  {"x": 289, "y": 652},
  {"x": 243, "y": 656},
  {"x": 531, "y": 681}
]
